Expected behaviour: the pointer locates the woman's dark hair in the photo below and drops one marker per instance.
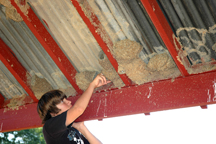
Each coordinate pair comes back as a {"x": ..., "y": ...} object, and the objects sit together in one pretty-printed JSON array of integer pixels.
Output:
[{"x": 47, "y": 104}]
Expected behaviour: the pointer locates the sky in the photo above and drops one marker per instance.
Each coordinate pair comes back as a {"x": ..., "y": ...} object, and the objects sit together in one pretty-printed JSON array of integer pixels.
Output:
[{"x": 180, "y": 126}]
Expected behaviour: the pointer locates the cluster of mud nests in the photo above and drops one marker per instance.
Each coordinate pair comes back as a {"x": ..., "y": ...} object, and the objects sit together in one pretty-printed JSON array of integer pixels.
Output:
[
  {"x": 126, "y": 52},
  {"x": 160, "y": 66}
]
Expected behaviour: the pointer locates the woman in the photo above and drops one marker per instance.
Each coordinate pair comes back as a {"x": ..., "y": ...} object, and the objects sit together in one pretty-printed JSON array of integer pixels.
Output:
[{"x": 58, "y": 116}]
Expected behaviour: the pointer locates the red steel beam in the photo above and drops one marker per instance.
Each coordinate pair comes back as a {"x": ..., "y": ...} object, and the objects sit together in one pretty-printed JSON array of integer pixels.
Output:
[
  {"x": 49, "y": 44},
  {"x": 25, "y": 117},
  {"x": 94, "y": 26},
  {"x": 196, "y": 90},
  {"x": 9, "y": 59},
  {"x": 164, "y": 30}
]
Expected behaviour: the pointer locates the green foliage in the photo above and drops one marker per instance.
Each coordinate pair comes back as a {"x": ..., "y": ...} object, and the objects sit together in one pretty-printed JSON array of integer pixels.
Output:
[{"x": 29, "y": 136}]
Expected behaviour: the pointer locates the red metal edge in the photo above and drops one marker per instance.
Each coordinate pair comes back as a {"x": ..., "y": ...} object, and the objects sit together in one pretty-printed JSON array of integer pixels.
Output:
[
  {"x": 147, "y": 114},
  {"x": 9, "y": 59},
  {"x": 204, "y": 106},
  {"x": 1, "y": 100},
  {"x": 197, "y": 90},
  {"x": 94, "y": 28},
  {"x": 49, "y": 44},
  {"x": 22, "y": 2},
  {"x": 164, "y": 30}
]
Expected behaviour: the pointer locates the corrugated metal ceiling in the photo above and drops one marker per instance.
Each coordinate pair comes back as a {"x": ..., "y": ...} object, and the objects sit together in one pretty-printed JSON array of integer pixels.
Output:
[
  {"x": 71, "y": 33},
  {"x": 30, "y": 52},
  {"x": 192, "y": 23}
]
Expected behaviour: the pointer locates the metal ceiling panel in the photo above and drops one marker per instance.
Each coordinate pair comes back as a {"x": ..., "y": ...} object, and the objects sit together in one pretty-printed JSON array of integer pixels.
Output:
[
  {"x": 9, "y": 87},
  {"x": 70, "y": 32}
]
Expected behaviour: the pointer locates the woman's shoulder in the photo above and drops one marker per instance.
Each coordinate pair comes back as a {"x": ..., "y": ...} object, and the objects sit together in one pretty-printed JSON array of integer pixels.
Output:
[
  {"x": 57, "y": 120},
  {"x": 55, "y": 126}
]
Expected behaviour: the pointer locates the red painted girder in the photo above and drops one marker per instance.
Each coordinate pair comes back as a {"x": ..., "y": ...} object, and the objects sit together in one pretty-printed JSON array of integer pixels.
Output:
[
  {"x": 196, "y": 90},
  {"x": 49, "y": 44},
  {"x": 9, "y": 59},
  {"x": 95, "y": 28},
  {"x": 158, "y": 19},
  {"x": 25, "y": 117}
]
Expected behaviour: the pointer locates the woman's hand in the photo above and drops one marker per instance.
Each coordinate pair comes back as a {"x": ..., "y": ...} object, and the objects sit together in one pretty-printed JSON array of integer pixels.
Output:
[
  {"x": 88, "y": 135},
  {"x": 99, "y": 80},
  {"x": 81, "y": 104},
  {"x": 78, "y": 125}
]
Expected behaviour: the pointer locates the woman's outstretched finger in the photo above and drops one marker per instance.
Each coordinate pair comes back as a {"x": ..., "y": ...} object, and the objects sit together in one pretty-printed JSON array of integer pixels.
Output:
[{"x": 104, "y": 79}]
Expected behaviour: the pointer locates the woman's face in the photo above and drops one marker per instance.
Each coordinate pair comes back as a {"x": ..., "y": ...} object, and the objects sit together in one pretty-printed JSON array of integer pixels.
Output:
[{"x": 64, "y": 105}]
